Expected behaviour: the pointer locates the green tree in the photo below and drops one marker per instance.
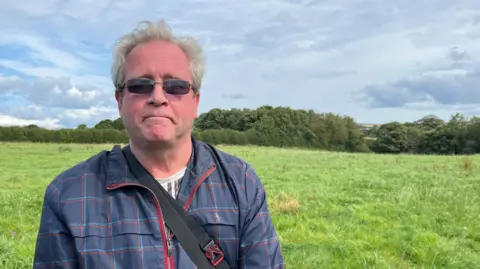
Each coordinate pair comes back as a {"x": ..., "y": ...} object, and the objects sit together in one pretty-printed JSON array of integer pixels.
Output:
[{"x": 391, "y": 138}]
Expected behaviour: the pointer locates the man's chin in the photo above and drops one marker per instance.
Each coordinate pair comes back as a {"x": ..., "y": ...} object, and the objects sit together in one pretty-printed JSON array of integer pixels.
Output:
[{"x": 159, "y": 138}]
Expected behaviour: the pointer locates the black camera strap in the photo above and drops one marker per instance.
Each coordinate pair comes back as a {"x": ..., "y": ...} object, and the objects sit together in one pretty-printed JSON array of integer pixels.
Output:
[{"x": 199, "y": 246}]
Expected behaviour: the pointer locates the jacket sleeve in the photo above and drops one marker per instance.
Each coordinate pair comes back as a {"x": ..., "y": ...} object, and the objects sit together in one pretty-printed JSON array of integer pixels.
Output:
[
  {"x": 54, "y": 246},
  {"x": 260, "y": 246}
]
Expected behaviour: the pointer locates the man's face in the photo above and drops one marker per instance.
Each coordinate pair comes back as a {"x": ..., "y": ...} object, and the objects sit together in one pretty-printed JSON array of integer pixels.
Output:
[{"x": 157, "y": 116}]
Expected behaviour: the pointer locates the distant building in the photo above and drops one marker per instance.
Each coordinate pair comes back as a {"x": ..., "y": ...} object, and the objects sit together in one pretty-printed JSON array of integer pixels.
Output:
[{"x": 367, "y": 126}]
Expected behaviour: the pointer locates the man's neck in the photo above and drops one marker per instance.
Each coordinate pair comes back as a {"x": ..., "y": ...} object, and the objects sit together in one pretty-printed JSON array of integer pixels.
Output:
[{"x": 163, "y": 162}]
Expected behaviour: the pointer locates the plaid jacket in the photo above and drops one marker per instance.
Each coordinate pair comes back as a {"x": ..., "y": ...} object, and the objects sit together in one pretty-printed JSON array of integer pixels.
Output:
[{"x": 96, "y": 215}]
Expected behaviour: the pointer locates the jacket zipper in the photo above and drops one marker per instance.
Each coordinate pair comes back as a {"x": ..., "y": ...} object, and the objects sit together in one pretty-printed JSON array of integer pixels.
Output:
[
  {"x": 197, "y": 185},
  {"x": 169, "y": 261},
  {"x": 169, "y": 240},
  {"x": 163, "y": 230}
]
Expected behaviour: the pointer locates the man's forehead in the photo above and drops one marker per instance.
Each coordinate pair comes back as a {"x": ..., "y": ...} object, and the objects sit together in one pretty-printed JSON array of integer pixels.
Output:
[
  {"x": 156, "y": 59},
  {"x": 158, "y": 48}
]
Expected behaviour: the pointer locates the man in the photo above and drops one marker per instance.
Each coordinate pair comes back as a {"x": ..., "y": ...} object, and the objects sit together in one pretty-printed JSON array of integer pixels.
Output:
[{"x": 97, "y": 215}]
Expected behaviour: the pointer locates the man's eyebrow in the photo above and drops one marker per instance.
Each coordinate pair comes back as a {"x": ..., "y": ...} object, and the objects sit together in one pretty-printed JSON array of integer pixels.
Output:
[
  {"x": 169, "y": 75},
  {"x": 143, "y": 76},
  {"x": 164, "y": 76}
]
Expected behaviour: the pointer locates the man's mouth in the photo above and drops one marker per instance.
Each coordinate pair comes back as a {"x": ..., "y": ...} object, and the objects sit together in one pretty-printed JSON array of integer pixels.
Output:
[{"x": 157, "y": 118}]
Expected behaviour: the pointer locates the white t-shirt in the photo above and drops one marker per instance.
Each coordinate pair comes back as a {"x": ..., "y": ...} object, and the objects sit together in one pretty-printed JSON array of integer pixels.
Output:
[{"x": 172, "y": 183}]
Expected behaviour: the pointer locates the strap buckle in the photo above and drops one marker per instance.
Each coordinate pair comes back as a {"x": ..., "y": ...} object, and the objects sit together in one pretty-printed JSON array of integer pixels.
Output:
[{"x": 213, "y": 253}]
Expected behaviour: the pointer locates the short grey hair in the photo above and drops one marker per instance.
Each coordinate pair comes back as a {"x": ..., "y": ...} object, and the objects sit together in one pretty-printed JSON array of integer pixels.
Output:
[{"x": 159, "y": 30}]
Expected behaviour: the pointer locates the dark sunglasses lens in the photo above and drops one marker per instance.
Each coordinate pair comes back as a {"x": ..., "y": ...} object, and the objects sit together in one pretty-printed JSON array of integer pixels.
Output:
[
  {"x": 176, "y": 86},
  {"x": 140, "y": 86}
]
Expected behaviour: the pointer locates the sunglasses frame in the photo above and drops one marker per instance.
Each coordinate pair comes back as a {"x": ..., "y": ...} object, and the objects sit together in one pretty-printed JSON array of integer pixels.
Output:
[{"x": 150, "y": 84}]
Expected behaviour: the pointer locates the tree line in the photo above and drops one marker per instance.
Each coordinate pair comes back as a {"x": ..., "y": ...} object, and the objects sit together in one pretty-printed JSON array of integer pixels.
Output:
[
  {"x": 429, "y": 135},
  {"x": 287, "y": 127}
]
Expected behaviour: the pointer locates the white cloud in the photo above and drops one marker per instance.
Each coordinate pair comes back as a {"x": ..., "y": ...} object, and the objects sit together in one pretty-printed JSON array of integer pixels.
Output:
[
  {"x": 89, "y": 115},
  {"x": 40, "y": 49},
  {"x": 451, "y": 88},
  {"x": 9, "y": 82},
  {"x": 59, "y": 92},
  {"x": 50, "y": 123},
  {"x": 33, "y": 114},
  {"x": 304, "y": 54}
]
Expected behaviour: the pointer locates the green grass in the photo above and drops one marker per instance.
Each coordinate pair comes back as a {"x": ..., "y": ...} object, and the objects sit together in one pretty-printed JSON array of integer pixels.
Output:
[{"x": 331, "y": 210}]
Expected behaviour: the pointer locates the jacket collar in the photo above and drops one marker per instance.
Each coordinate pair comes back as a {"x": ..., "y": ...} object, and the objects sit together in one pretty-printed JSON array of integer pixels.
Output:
[{"x": 200, "y": 162}]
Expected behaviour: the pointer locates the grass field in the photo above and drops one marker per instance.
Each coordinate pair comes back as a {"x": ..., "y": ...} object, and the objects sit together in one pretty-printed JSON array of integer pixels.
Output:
[{"x": 331, "y": 210}]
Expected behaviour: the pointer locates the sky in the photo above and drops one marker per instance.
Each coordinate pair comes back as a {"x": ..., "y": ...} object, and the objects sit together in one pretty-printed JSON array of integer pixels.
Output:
[{"x": 374, "y": 60}]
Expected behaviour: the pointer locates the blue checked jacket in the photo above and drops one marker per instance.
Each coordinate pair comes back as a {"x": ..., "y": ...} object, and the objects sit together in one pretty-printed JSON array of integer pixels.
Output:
[{"x": 96, "y": 215}]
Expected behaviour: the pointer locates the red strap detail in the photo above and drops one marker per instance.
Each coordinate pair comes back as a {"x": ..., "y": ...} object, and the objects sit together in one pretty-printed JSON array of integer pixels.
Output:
[{"x": 214, "y": 254}]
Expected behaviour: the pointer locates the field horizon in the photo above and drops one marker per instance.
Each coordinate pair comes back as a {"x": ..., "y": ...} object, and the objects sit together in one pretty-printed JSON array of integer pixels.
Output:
[{"x": 330, "y": 209}]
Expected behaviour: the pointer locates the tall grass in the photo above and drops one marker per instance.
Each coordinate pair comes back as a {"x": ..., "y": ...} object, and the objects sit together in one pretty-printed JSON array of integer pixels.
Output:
[{"x": 331, "y": 210}]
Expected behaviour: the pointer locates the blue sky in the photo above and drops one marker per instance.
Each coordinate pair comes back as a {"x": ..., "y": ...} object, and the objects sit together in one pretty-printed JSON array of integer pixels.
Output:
[{"x": 377, "y": 61}]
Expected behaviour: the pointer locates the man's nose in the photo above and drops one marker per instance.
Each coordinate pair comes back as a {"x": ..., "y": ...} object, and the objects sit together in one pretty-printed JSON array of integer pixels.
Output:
[{"x": 158, "y": 96}]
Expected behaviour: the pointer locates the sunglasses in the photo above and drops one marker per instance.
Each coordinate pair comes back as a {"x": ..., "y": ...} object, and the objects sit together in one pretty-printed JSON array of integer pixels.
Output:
[{"x": 146, "y": 86}]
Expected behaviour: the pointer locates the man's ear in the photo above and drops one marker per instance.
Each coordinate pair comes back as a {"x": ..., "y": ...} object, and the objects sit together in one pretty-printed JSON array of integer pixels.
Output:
[
  {"x": 196, "y": 98},
  {"x": 119, "y": 98}
]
